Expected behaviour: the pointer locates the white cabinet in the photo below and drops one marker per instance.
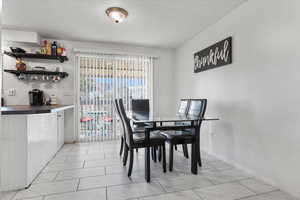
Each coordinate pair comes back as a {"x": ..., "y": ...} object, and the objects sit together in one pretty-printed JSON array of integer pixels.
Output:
[
  {"x": 32, "y": 141},
  {"x": 60, "y": 129}
]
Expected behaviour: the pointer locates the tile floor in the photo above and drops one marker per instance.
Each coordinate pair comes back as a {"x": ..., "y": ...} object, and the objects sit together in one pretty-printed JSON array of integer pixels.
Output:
[{"x": 93, "y": 171}]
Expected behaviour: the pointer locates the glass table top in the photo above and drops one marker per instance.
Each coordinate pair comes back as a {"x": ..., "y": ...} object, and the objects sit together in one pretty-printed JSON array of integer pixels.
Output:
[{"x": 136, "y": 118}]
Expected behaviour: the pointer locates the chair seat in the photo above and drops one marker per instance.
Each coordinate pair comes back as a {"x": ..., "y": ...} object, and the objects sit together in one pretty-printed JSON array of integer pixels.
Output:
[
  {"x": 140, "y": 128},
  {"x": 155, "y": 138},
  {"x": 178, "y": 135}
]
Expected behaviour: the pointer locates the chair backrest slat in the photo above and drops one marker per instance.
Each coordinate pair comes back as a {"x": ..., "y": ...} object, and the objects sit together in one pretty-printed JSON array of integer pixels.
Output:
[
  {"x": 127, "y": 126},
  {"x": 183, "y": 106},
  {"x": 116, "y": 105}
]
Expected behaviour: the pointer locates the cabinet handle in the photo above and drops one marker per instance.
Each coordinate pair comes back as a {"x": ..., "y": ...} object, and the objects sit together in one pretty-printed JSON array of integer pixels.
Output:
[{"x": 59, "y": 116}]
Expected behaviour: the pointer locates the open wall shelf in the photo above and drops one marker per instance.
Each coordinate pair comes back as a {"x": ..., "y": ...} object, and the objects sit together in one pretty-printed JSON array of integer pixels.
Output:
[
  {"x": 37, "y": 56},
  {"x": 37, "y": 72}
]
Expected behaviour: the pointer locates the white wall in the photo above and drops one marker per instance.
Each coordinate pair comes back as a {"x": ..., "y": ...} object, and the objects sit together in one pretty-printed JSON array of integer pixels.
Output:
[
  {"x": 257, "y": 97},
  {"x": 64, "y": 90},
  {"x": 0, "y": 94}
]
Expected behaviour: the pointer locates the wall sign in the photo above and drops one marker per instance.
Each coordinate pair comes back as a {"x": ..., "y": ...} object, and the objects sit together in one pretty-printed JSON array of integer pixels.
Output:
[{"x": 214, "y": 56}]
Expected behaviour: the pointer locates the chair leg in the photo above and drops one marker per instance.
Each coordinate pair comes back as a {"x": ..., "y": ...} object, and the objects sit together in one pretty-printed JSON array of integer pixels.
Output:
[
  {"x": 154, "y": 154},
  {"x": 130, "y": 162},
  {"x": 171, "y": 157},
  {"x": 199, "y": 157},
  {"x": 185, "y": 150},
  {"x": 159, "y": 153},
  {"x": 164, "y": 157},
  {"x": 126, "y": 149},
  {"x": 122, "y": 145}
]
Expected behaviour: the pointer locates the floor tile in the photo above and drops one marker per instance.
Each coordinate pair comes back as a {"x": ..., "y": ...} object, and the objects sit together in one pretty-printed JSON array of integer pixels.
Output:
[
  {"x": 218, "y": 177},
  {"x": 8, "y": 195},
  {"x": 98, "y": 194},
  {"x": 183, "y": 195},
  {"x": 119, "y": 168},
  {"x": 58, "y": 160},
  {"x": 221, "y": 165},
  {"x": 47, "y": 189},
  {"x": 102, "y": 181},
  {"x": 227, "y": 191},
  {"x": 85, "y": 157},
  {"x": 257, "y": 186},
  {"x": 73, "y": 152},
  {"x": 116, "y": 169},
  {"x": 64, "y": 166},
  {"x": 45, "y": 177},
  {"x": 95, "y": 171},
  {"x": 184, "y": 183},
  {"x": 35, "y": 198},
  {"x": 275, "y": 195},
  {"x": 80, "y": 173},
  {"x": 99, "y": 163},
  {"x": 129, "y": 191}
]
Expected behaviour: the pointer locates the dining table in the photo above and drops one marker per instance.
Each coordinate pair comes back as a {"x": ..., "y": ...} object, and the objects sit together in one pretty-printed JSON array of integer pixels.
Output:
[{"x": 169, "y": 123}]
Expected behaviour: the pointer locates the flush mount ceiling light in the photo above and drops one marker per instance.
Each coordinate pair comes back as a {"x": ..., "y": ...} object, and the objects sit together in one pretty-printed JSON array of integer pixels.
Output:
[{"x": 116, "y": 14}]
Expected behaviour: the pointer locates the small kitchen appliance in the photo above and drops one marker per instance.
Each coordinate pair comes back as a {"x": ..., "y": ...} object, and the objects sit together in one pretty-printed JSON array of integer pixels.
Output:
[{"x": 36, "y": 97}]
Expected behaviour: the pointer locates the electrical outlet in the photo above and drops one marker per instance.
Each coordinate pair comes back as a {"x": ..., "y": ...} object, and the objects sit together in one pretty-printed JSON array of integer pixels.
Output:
[{"x": 12, "y": 92}]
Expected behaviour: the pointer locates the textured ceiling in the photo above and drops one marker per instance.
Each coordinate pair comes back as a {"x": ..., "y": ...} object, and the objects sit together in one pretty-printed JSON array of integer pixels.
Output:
[{"x": 163, "y": 23}]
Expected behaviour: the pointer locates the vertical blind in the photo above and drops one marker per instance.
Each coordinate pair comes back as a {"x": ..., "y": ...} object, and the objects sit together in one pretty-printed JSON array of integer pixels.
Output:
[{"x": 104, "y": 78}]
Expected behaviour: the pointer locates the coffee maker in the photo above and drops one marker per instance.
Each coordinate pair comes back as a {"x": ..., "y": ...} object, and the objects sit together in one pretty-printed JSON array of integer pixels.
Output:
[{"x": 36, "y": 97}]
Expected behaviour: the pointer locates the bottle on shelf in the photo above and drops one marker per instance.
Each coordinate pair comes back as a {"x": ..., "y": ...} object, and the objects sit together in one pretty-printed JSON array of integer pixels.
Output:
[
  {"x": 48, "y": 47},
  {"x": 59, "y": 50},
  {"x": 44, "y": 47},
  {"x": 54, "y": 49}
]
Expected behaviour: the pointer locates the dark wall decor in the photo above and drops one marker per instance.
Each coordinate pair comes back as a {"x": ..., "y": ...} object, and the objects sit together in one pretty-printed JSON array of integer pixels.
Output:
[{"x": 214, "y": 56}]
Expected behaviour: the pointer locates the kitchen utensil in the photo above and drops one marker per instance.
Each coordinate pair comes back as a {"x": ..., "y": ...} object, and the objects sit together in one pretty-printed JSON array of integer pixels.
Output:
[{"x": 17, "y": 50}]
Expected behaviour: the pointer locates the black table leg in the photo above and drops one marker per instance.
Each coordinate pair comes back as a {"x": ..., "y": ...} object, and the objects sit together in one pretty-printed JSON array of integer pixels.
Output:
[
  {"x": 147, "y": 156},
  {"x": 195, "y": 151}
]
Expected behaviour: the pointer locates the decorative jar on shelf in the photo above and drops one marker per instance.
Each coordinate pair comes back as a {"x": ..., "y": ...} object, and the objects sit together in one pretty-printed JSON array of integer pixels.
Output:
[{"x": 20, "y": 65}]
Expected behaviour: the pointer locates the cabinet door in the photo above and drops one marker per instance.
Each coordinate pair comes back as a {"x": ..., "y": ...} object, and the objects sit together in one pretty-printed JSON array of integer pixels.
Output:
[
  {"x": 42, "y": 142},
  {"x": 60, "y": 129}
]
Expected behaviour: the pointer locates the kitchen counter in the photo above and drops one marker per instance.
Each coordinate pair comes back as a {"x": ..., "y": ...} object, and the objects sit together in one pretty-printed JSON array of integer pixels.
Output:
[
  {"x": 32, "y": 135},
  {"x": 25, "y": 109}
]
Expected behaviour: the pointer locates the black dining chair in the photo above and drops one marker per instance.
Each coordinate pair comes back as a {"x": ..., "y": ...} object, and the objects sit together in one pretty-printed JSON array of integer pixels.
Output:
[
  {"x": 183, "y": 110},
  {"x": 138, "y": 140},
  {"x": 123, "y": 135},
  {"x": 196, "y": 109}
]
